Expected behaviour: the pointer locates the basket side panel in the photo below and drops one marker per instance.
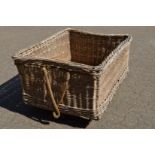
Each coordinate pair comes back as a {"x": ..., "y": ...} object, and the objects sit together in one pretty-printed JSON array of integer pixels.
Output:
[
  {"x": 111, "y": 76},
  {"x": 79, "y": 99}
]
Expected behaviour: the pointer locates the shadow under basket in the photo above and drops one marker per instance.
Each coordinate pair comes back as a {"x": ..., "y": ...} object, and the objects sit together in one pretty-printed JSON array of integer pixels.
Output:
[{"x": 73, "y": 72}]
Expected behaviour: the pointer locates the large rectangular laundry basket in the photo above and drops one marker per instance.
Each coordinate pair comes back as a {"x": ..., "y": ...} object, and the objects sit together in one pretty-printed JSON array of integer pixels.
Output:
[{"x": 73, "y": 72}]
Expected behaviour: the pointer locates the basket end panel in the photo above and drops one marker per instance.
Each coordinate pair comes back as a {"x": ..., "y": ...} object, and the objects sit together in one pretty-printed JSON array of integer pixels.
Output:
[
  {"x": 91, "y": 49},
  {"x": 112, "y": 77},
  {"x": 55, "y": 47}
]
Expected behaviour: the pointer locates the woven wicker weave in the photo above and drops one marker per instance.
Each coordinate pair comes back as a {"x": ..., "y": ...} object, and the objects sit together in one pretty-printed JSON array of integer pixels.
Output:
[{"x": 73, "y": 72}]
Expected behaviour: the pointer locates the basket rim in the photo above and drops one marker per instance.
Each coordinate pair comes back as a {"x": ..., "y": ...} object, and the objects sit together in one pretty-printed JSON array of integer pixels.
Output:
[{"x": 17, "y": 58}]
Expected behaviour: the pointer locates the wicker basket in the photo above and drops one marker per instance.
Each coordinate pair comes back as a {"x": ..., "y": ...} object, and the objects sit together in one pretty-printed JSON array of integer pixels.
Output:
[{"x": 73, "y": 72}]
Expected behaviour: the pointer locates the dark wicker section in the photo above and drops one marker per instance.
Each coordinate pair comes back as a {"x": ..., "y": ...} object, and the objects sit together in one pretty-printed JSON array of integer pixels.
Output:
[
  {"x": 96, "y": 65},
  {"x": 92, "y": 49}
]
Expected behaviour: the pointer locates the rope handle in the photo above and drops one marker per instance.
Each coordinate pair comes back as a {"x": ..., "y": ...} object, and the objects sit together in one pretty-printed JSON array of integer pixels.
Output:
[{"x": 56, "y": 113}]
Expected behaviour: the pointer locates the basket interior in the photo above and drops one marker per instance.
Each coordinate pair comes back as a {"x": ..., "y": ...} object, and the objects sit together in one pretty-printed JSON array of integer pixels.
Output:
[{"x": 78, "y": 47}]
